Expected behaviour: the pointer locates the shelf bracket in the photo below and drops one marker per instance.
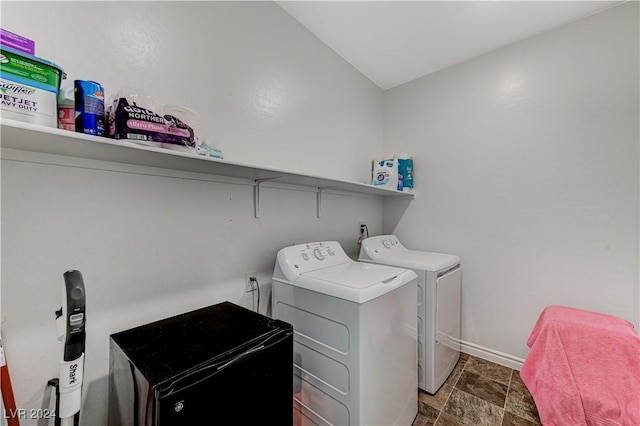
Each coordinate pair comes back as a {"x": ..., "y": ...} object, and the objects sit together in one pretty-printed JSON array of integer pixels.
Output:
[
  {"x": 256, "y": 194},
  {"x": 319, "y": 199}
]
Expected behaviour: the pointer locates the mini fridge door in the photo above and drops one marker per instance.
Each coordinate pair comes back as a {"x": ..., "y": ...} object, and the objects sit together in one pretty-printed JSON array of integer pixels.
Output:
[{"x": 251, "y": 388}]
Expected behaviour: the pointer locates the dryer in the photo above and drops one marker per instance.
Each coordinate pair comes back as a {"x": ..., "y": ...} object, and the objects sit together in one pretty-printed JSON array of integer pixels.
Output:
[
  {"x": 439, "y": 289},
  {"x": 355, "y": 336}
]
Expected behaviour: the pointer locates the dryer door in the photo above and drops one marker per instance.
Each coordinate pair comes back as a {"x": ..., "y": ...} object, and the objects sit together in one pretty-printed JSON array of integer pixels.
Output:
[
  {"x": 447, "y": 326},
  {"x": 448, "y": 309}
]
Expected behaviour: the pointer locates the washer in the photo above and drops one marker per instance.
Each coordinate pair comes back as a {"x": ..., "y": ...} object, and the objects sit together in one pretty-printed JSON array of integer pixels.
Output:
[
  {"x": 355, "y": 336},
  {"x": 439, "y": 286}
]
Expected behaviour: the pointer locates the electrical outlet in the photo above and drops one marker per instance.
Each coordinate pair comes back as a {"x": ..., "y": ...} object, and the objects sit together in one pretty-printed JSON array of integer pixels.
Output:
[
  {"x": 248, "y": 285},
  {"x": 362, "y": 230}
]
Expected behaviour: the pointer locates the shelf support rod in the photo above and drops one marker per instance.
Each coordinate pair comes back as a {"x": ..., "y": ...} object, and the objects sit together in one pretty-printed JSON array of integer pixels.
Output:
[
  {"x": 319, "y": 202},
  {"x": 256, "y": 194},
  {"x": 319, "y": 199}
]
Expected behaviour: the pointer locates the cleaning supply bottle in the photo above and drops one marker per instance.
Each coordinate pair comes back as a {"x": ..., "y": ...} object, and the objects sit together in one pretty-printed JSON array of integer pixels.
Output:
[{"x": 66, "y": 107}]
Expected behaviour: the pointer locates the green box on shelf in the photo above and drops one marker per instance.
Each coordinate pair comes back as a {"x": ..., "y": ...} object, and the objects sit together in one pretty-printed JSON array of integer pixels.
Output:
[{"x": 29, "y": 87}]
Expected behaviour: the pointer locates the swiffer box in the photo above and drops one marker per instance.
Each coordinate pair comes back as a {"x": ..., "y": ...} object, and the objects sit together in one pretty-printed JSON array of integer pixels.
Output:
[{"x": 28, "y": 87}]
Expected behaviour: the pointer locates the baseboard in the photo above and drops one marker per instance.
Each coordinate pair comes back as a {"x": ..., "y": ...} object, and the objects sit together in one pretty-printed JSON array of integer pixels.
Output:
[{"x": 491, "y": 355}]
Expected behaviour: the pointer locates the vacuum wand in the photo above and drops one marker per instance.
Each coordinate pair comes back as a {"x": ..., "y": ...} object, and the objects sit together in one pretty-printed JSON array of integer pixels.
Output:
[{"x": 70, "y": 323}]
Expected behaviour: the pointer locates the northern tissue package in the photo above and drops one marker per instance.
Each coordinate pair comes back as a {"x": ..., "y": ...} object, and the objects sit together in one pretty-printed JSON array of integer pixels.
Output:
[{"x": 139, "y": 118}]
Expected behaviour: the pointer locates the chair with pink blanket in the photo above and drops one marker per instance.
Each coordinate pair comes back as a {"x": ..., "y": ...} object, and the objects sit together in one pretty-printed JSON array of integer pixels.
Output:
[{"x": 583, "y": 368}]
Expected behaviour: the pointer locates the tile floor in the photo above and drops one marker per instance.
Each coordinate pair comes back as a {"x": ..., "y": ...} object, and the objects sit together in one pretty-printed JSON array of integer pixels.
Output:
[{"x": 478, "y": 392}]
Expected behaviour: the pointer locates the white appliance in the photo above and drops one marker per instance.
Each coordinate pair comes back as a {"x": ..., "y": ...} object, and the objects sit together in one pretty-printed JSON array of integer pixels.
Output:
[
  {"x": 439, "y": 286},
  {"x": 355, "y": 336}
]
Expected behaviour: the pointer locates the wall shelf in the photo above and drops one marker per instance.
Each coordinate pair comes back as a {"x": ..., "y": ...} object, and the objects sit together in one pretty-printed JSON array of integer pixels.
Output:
[{"x": 35, "y": 138}]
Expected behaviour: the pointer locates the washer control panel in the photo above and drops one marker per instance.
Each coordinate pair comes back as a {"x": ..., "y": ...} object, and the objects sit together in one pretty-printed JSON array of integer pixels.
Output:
[
  {"x": 317, "y": 252},
  {"x": 307, "y": 257}
]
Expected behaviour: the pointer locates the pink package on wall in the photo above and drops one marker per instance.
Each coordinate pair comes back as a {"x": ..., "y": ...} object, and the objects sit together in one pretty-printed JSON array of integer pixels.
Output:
[{"x": 18, "y": 42}]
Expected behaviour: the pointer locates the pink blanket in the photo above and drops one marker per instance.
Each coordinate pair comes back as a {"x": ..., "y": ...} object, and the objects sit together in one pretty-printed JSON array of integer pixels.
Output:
[{"x": 583, "y": 369}]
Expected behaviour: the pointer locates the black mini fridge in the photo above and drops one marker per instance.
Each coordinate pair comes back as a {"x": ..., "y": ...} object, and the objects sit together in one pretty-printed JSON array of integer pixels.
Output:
[{"x": 220, "y": 365}]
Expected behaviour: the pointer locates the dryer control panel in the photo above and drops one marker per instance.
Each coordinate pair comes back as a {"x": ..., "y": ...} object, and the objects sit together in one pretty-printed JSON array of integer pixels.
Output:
[
  {"x": 390, "y": 243},
  {"x": 301, "y": 258},
  {"x": 380, "y": 246}
]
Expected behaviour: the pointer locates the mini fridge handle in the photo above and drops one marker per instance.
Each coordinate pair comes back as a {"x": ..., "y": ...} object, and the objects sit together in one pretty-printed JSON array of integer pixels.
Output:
[
  {"x": 241, "y": 356},
  {"x": 266, "y": 344}
]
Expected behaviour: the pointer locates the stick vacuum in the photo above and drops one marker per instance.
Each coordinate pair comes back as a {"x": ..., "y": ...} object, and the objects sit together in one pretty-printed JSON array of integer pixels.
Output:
[{"x": 70, "y": 324}]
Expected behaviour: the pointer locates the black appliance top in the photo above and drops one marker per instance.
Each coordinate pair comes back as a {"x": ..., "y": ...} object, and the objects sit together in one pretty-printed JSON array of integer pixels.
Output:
[{"x": 168, "y": 348}]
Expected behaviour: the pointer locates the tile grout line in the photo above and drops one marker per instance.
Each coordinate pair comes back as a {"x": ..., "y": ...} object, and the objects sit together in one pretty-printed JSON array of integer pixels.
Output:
[
  {"x": 453, "y": 386},
  {"x": 506, "y": 398}
]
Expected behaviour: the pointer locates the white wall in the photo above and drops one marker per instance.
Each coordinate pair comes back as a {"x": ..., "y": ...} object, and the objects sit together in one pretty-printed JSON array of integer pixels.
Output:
[
  {"x": 268, "y": 90},
  {"x": 152, "y": 243},
  {"x": 527, "y": 167}
]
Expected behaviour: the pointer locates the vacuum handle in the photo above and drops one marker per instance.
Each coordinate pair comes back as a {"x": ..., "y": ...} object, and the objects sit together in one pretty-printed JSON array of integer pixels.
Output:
[
  {"x": 74, "y": 288},
  {"x": 75, "y": 315}
]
